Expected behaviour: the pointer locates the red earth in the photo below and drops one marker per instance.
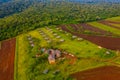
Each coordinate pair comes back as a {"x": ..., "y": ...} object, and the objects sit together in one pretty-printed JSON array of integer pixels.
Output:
[
  {"x": 94, "y": 29},
  {"x": 7, "y": 54},
  {"x": 81, "y": 28},
  {"x": 103, "y": 41},
  {"x": 108, "y": 24},
  {"x": 114, "y": 22},
  {"x": 100, "y": 73}
]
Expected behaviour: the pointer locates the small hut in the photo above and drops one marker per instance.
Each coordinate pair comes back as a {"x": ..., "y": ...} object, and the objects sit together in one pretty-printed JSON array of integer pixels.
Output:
[
  {"x": 30, "y": 41},
  {"x": 58, "y": 37},
  {"x": 57, "y": 53},
  {"x": 51, "y": 57},
  {"x": 107, "y": 52},
  {"x": 29, "y": 38},
  {"x": 62, "y": 40},
  {"x": 55, "y": 34},
  {"x": 32, "y": 45},
  {"x": 80, "y": 39},
  {"x": 73, "y": 37}
]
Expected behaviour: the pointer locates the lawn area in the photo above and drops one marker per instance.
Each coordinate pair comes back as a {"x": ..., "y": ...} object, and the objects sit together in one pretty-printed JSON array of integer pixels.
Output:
[
  {"x": 105, "y": 27},
  {"x": 88, "y": 56}
]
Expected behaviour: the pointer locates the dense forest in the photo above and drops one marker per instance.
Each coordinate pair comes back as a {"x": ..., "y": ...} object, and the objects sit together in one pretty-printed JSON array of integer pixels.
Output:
[
  {"x": 21, "y": 16},
  {"x": 15, "y": 6}
]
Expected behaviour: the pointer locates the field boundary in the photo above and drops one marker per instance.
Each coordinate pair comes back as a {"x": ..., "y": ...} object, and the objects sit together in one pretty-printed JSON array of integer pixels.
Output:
[
  {"x": 0, "y": 45},
  {"x": 16, "y": 62},
  {"x": 108, "y": 24},
  {"x": 103, "y": 41}
]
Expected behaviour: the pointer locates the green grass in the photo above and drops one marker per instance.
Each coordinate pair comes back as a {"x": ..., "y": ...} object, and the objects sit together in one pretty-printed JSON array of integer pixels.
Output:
[
  {"x": 114, "y": 18},
  {"x": 16, "y": 62},
  {"x": 118, "y": 25},
  {"x": 28, "y": 68},
  {"x": 105, "y": 27}
]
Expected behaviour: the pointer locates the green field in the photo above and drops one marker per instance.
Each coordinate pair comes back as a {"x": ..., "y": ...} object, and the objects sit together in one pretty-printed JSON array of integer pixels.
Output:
[
  {"x": 114, "y": 19},
  {"x": 118, "y": 25},
  {"x": 88, "y": 56},
  {"x": 38, "y": 24},
  {"x": 105, "y": 27}
]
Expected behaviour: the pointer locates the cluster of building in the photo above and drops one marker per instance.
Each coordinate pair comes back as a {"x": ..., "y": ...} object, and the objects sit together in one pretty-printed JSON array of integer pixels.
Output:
[
  {"x": 53, "y": 54},
  {"x": 47, "y": 38},
  {"x": 30, "y": 40}
]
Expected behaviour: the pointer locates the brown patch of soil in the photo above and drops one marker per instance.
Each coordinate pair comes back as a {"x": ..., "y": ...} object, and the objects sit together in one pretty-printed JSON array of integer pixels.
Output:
[
  {"x": 100, "y": 73},
  {"x": 108, "y": 24},
  {"x": 103, "y": 41},
  {"x": 93, "y": 30},
  {"x": 114, "y": 22},
  {"x": 77, "y": 28},
  {"x": 7, "y": 53},
  {"x": 89, "y": 27}
]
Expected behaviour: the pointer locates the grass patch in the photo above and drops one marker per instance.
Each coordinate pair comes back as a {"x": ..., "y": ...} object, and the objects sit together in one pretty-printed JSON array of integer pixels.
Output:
[
  {"x": 114, "y": 18},
  {"x": 105, "y": 27},
  {"x": 28, "y": 68}
]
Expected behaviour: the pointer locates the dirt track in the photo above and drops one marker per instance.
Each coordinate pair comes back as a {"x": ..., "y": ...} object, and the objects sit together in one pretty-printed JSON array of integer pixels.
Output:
[
  {"x": 104, "y": 41},
  {"x": 108, "y": 24},
  {"x": 101, "y": 73},
  {"x": 7, "y": 53}
]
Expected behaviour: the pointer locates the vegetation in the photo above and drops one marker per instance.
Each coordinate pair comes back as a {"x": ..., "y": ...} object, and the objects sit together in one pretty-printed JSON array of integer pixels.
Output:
[
  {"x": 3, "y": 1},
  {"x": 21, "y": 19},
  {"x": 105, "y": 27},
  {"x": 28, "y": 68},
  {"x": 38, "y": 14},
  {"x": 114, "y": 18}
]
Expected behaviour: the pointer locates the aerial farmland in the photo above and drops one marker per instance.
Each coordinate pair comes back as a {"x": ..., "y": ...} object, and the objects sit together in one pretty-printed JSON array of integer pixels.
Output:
[{"x": 54, "y": 46}]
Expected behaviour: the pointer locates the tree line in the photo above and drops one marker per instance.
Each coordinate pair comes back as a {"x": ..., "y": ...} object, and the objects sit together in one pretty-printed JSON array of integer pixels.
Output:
[{"x": 41, "y": 14}]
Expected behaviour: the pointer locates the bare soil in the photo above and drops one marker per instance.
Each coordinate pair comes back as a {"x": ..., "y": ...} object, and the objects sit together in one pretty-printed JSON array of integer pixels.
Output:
[
  {"x": 100, "y": 73},
  {"x": 7, "y": 53},
  {"x": 114, "y": 22},
  {"x": 103, "y": 41},
  {"x": 89, "y": 27},
  {"x": 108, "y": 24},
  {"x": 93, "y": 30}
]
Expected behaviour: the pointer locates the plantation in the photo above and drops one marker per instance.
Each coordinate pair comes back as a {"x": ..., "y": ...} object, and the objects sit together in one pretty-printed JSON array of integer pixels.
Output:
[
  {"x": 18, "y": 16},
  {"x": 105, "y": 27},
  {"x": 28, "y": 68},
  {"x": 59, "y": 40}
]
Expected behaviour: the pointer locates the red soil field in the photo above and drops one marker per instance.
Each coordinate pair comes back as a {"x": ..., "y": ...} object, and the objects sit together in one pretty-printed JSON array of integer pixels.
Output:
[
  {"x": 103, "y": 41},
  {"x": 100, "y": 73},
  {"x": 108, "y": 24},
  {"x": 77, "y": 28},
  {"x": 7, "y": 53},
  {"x": 94, "y": 29},
  {"x": 114, "y": 22},
  {"x": 81, "y": 28}
]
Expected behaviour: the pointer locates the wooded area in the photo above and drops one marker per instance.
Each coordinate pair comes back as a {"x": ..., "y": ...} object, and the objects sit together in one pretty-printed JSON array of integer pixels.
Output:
[{"x": 21, "y": 17}]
